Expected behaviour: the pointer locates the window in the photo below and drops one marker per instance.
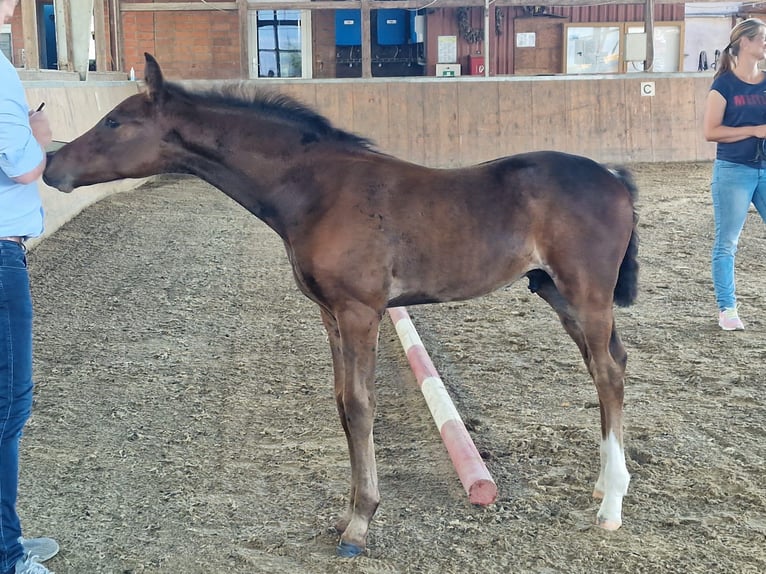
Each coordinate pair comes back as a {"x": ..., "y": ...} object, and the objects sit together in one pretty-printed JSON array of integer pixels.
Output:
[
  {"x": 593, "y": 49},
  {"x": 667, "y": 48},
  {"x": 279, "y": 45},
  {"x": 5, "y": 41},
  {"x": 600, "y": 48}
]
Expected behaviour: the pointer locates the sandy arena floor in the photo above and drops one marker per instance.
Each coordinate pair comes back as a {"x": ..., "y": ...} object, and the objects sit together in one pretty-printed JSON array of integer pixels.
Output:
[{"x": 184, "y": 419}]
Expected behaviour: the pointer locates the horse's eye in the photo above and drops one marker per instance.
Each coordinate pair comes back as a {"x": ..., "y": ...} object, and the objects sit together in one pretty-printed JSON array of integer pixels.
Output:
[{"x": 111, "y": 123}]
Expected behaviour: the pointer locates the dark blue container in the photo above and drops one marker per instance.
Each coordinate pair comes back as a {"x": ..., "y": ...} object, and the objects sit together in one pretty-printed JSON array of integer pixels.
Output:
[{"x": 348, "y": 27}]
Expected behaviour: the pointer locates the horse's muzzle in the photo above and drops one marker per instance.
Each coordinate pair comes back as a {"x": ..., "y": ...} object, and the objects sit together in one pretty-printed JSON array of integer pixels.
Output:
[{"x": 62, "y": 184}]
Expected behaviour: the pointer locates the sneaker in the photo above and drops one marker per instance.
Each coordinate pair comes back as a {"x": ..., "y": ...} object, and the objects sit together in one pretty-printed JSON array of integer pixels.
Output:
[
  {"x": 43, "y": 548},
  {"x": 31, "y": 565},
  {"x": 728, "y": 320}
]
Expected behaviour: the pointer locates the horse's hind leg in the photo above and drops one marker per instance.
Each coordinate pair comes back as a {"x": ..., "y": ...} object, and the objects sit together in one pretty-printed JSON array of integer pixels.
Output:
[
  {"x": 621, "y": 357},
  {"x": 591, "y": 326},
  {"x": 542, "y": 284}
]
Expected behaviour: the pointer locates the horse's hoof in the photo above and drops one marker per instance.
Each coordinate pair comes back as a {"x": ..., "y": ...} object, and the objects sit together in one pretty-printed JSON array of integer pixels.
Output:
[
  {"x": 610, "y": 525},
  {"x": 598, "y": 494},
  {"x": 348, "y": 550}
]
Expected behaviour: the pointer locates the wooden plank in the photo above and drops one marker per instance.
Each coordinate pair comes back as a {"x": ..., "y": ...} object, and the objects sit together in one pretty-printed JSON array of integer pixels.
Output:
[
  {"x": 516, "y": 125},
  {"x": 405, "y": 121},
  {"x": 684, "y": 131},
  {"x": 550, "y": 100},
  {"x": 99, "y": 32},
  {"x": 29, "y": 23},
  {"x": 639, "y": 122},
  {"x": 65, "y": 56},
  {"x": 344, "y": 4},
  {"x": 594, "y": 110},
  {"x": 701, "y": 89},
  {"x": 366, "y": 40},
  {"x": 441, "y": 127},
  {"x": 370, "y": 112},
  {"x": 479, "y": 124},
  {"x": 609, "y": 106},
  {"x": 179, "y": 6},
  {"x": 335, "y": 101},
  {"x": 118, "y": 39},
  {"x": 303, "y": 92}
]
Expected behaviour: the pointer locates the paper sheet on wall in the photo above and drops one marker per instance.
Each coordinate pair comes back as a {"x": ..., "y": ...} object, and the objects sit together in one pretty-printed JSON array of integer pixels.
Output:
[
  {"x": 447, "y": 49},
  {"x": 525, "y": 40}
]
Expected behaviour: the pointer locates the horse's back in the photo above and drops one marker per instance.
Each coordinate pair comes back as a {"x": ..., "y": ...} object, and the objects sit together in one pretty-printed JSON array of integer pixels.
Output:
[{"x": 563, "y": 173}]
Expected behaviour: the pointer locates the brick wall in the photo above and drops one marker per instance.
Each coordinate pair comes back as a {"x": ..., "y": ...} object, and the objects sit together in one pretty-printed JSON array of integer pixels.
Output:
[{"x": 202, "y": 44}]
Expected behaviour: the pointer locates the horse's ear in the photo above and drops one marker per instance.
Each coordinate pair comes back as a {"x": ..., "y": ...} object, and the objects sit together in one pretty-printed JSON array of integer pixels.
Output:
[{"x": 153, "y": 76}]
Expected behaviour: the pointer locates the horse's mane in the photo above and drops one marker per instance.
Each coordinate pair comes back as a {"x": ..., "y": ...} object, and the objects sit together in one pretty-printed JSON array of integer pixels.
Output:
[{"x": 272, "y": 104}]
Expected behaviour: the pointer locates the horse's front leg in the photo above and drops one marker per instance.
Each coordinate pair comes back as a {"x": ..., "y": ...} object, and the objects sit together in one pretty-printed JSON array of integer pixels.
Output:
[
  {"x": 333, "y": 336},
  {"x": 354, "y": 362}
]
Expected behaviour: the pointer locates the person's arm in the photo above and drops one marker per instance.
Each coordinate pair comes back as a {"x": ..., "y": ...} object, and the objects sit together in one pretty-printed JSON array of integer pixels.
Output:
[
  {"x": 41, "y": 130},
  {"x": 32, "y": 176},
  {"x": 715, "y": 131},
  {"x": 21, "y": 145}
]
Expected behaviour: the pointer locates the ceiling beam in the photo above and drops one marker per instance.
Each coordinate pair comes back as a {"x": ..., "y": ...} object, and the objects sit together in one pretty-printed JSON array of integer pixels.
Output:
[{"x": 373, "y": 4}]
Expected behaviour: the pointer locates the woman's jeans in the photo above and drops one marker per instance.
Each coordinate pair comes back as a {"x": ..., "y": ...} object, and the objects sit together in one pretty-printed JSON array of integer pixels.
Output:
[
  {"x": 734, "y": 187},
  {"x": 15, "y": 390}
]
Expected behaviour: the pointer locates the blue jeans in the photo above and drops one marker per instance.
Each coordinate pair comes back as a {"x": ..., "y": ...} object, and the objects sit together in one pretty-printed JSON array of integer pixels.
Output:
[
  {"x": 734, "y": 187},
  {"x": 15, "y": 390}
]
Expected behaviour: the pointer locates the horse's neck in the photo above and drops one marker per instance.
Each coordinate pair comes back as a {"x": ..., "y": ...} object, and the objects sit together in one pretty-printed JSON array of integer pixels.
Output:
[{"x": 246, "y": 162}]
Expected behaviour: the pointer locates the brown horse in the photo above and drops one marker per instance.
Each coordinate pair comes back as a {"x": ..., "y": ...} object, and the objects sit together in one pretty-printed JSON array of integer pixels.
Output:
[{"x": 365, "y": 231}]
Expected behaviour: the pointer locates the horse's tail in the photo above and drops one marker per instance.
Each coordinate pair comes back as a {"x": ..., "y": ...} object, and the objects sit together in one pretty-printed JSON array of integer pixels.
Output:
[{"x": 626, "y": 290}]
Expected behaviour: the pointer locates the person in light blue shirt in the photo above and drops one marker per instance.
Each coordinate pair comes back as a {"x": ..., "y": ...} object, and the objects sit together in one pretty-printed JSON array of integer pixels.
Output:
[{"x": 23, "y": 136}]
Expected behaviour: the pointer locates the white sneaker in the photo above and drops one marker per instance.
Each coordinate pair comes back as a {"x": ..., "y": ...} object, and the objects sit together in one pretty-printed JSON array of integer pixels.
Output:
[
  {"x": 43, "y": 548},
  {"x": 31, "y": 565},
  {"x": 729, "y": 320}
]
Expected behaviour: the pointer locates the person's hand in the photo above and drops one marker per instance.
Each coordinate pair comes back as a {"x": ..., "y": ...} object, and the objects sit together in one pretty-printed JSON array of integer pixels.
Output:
[
  {"x": 41, "y": 128},
  {"x": 759, "y": 131}
]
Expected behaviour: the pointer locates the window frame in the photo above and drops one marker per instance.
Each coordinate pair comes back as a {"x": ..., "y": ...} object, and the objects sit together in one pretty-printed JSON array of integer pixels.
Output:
[
  {"x": 623, "y": 27},
  {"x": 305, "y": 52}
]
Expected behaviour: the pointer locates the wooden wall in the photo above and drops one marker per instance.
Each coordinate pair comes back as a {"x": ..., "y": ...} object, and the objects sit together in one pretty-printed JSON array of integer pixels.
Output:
[
  {"x": 507, "y": 21},
  {"x": 444, "y": 122},
  {"x": 547, "y": 57}
]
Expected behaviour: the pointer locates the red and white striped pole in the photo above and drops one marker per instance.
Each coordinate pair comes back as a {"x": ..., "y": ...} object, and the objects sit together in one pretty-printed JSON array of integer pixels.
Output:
[{"x": 470, "y": 467}]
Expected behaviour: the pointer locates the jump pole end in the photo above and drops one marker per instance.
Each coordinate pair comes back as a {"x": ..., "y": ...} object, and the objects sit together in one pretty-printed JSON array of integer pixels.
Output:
[
  {"x": 483, "y": 492},
  {"x": 473, "y": 474},
  {"x": 470, "y": 467}
]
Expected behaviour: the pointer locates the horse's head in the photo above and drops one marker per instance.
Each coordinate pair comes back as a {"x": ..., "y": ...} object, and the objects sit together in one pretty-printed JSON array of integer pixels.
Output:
[{"x": 127, "y": 142}]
